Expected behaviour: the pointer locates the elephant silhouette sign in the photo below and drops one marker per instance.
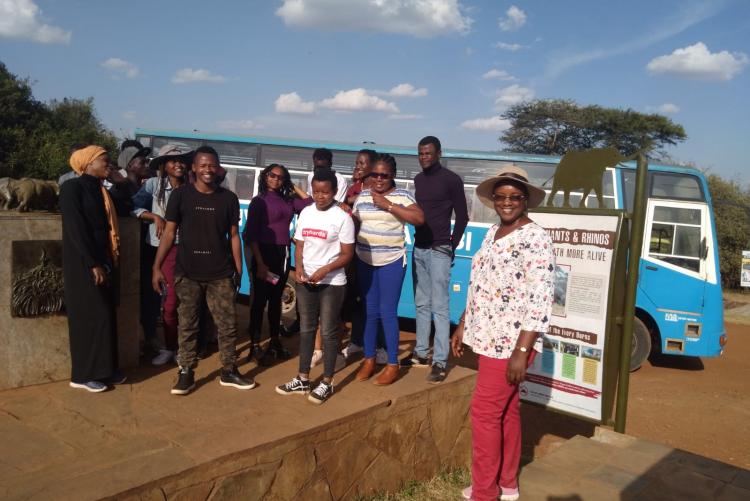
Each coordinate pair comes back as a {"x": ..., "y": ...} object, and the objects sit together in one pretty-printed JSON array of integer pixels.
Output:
[{"x": 584, "y": 170}]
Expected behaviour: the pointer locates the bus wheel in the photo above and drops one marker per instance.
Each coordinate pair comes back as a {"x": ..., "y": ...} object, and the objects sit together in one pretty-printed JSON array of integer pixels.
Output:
[
  {"x": 641, "y": 344},
  {"x": 289, "y": 299}
]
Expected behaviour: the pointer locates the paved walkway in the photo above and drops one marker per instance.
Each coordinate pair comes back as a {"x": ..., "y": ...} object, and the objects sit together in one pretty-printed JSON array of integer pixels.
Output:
[{"x": 611, "y": 466}]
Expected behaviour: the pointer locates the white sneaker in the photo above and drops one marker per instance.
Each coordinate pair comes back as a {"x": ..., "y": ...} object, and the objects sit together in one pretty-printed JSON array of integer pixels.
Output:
[
  {"x": 351, "y": 349},
  {"x": 340, "y": 362},
  {"x": 316, "y": 358},
  {"x": 164, "y": 356},
  {"x": 381, "y": 356}
]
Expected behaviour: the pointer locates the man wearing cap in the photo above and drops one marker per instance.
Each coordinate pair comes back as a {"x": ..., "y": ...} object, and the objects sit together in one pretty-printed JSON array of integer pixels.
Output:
[
  {"x": 150, "y": 205},
  {"x": 440, "y": 194},
  {"x": 133, "y": 162}
]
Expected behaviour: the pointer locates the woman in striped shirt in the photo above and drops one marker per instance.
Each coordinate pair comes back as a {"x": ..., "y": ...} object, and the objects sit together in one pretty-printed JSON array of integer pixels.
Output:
[{"x": 382, "y": 210}]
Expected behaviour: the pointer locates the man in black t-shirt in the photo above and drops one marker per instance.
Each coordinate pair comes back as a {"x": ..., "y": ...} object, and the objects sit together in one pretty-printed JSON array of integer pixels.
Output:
[{"x": 209, "y": 265}]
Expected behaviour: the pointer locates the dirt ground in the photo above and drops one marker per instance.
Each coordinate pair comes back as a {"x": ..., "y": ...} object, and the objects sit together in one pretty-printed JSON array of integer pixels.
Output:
[{"x": 701, "y": 405}]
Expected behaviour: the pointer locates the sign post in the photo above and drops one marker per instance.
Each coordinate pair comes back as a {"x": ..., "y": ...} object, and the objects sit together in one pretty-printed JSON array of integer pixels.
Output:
[
  {"x": 745, "y": 269},
  {"x": 637, "y": 223}
]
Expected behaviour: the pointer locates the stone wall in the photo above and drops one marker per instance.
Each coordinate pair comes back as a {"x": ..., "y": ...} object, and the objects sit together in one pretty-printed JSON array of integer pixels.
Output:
[
  {"x": 36, "y": 350},
  {"x": 380, "y": 449}
]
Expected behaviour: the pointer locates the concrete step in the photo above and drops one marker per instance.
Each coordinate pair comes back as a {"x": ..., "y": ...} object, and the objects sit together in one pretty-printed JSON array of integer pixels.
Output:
[{"x": 611, "y": 466}]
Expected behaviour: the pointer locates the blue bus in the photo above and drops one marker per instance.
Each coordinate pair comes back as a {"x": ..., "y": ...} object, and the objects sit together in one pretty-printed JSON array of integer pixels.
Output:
[{"x": 679, "y": 306}]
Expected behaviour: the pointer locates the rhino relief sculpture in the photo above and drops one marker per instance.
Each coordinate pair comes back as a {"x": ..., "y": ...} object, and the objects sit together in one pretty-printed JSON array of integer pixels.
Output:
[
  {"x": 27, "y": 194},
  {"x": 584, "y": 170}
]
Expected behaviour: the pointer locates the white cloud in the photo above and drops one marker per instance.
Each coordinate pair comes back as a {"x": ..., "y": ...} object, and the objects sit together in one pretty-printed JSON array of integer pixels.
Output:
[
  {"x": 119, "y": 67},
  {"x": 419, "y": 18},
  {"x": 357, "y": 100},
  {"x": 492, "y": 124},
  {"x": 292, "y": 103},
  {"x": 404, "y": 117},
  {"x": 696, "y": 61},
  {"x": 405, "y": 90},
  {"x": 668, "y": 108},
  {"x": 513, "y": 47},
  {"x": 21, "y": 19},
  {"x": 514, "y": 20},
  {"x": 495, "y": 74},
  {"x": 511, "y": 95},
  {"x": 189, "y": 75},
  {"x": 128, "y": 115},
  {"x": 239, "y": 125},
  {"x": 662, "y": 29}
]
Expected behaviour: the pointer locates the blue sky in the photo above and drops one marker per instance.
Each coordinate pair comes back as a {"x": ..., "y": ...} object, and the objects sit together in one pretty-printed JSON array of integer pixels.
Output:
[{"x": 390, "y": 71}]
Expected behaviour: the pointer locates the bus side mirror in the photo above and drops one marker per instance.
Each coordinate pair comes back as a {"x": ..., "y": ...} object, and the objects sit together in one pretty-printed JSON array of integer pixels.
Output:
[{"x": 704, "y": 249}]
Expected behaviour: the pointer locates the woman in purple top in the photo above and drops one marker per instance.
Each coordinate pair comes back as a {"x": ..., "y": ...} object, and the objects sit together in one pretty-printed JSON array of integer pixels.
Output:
[{"x": 266, "y": 237}]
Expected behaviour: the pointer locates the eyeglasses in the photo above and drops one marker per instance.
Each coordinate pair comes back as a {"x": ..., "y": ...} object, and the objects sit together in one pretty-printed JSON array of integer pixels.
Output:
[
  {"x": 380, "y": 175},
  {"x": 273, "y": 175},
  {"x": 513, "y": 198}
]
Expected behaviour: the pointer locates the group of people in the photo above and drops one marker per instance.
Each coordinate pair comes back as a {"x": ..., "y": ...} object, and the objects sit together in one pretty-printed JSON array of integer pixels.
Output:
[{"x": 349, "y": 242}]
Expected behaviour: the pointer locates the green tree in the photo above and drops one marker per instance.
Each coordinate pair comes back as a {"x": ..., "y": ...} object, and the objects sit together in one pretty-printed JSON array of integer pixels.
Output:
[
  {"x": 732, "y": 214},
  {"x": 36, "y": 137},
  {"x": 554, "y": 126}
]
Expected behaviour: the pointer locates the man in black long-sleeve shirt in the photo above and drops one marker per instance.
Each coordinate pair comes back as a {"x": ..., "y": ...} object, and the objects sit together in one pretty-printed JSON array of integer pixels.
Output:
[{"x": 440, "y": 193}]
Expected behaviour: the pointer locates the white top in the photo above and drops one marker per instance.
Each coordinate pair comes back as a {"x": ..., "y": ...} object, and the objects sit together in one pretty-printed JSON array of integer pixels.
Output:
[
  {"x": 341, "y": 186},
  {"x": 323, "y": 232}
]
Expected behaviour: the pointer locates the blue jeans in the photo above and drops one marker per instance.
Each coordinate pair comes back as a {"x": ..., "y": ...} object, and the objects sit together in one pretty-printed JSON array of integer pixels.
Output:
[
  {"x": 432, "y": 274},
  {"x": 381, "y": 288},
  {"x": 319, "y": 303}
]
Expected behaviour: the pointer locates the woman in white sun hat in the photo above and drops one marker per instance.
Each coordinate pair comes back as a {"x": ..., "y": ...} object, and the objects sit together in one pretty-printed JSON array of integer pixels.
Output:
[{"x": 507, "y": 309}]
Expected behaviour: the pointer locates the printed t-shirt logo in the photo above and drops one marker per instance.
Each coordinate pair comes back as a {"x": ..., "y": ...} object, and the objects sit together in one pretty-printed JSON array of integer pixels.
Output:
[{"x": 311, "y": 232}]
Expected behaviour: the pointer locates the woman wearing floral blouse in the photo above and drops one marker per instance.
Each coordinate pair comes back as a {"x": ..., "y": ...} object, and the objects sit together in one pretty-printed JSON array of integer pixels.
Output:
[{"x": 508, "y": 306}]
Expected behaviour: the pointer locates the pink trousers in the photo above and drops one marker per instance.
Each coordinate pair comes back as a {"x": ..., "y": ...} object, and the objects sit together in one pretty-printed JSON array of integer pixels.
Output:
[{"x": 496, "y": 431}]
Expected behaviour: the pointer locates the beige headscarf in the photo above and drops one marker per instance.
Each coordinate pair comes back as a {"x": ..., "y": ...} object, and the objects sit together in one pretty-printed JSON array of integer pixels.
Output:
[{"x": 79, "y": 160}]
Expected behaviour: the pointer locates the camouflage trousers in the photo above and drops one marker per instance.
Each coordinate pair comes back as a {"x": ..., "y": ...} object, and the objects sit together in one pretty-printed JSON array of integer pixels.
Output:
[{"x": 220, "y": 296}]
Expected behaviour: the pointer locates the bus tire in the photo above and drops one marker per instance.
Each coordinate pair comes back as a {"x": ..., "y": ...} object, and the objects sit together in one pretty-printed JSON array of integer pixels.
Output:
[
  {"x": 289, "y": 299},
  {"x": 641, "y": 344}
]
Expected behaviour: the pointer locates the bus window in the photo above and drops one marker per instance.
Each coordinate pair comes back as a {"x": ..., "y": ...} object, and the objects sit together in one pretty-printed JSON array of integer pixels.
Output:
[
  {"x": 674, "y": 185},
  {"x": 288, "y": 156},
  {"x": 406, "y": 185},
  {"x": 300, "y": 179},
  {"x": 160, "y": 141},
  {"x": 407, "y": 166},
  {"x": 343, "y": 162},
  {"x": 469, "y": 194},
  {"x": 675, "y": 236},
  {"x": 240, "y": 181},
  {"x": 480, "y": 213},
  {"x": 236, "y": 153}
]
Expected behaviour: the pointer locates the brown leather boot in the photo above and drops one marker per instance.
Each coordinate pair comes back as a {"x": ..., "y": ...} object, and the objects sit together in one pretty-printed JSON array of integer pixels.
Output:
[
  {"x": 366, "y": 369},
  {"x": 389, "y": 375}
]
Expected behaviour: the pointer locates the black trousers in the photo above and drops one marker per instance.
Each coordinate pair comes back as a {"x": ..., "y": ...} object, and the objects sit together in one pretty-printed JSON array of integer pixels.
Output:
[{"x": 266, "y": 293}]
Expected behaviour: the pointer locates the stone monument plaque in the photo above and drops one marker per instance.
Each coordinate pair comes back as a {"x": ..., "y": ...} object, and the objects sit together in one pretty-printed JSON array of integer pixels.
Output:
[{"x": 37, "y": 278}]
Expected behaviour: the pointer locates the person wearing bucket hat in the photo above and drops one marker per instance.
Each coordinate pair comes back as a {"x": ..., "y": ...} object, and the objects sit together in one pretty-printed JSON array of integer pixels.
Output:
[
  {"x": 508, "y": 308},
  {"x": 150, "y": 205}
]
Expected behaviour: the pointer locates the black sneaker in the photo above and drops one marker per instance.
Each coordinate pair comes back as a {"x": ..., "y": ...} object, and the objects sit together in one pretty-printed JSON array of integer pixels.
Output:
[
  {"x": 254, "y": 353},
  {"x": 321, "y": 393},
  {"x": 232, "y": 377},
  {"x": 296, "y": 385},
  {"x": 185, "y": 381},
  {"x": 437, "y": 374},
  {"x": 274, "y": 352},
  {"x": 415, "y": 360}
]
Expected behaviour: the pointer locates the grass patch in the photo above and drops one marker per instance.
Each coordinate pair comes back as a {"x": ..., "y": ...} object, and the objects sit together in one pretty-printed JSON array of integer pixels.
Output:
[{"x": 445, "y": 486}]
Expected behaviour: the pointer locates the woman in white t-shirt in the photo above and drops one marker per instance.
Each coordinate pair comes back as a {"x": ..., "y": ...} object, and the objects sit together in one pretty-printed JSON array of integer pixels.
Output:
[
  {"x": 382, "y": 211},
  {"x": 324, "y": 245}
]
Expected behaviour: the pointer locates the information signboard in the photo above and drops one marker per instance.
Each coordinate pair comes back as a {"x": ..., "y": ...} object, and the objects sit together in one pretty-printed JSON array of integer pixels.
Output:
[
  {"x": 745, "y": 270},
  {"x": 569, "y": 374}
]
